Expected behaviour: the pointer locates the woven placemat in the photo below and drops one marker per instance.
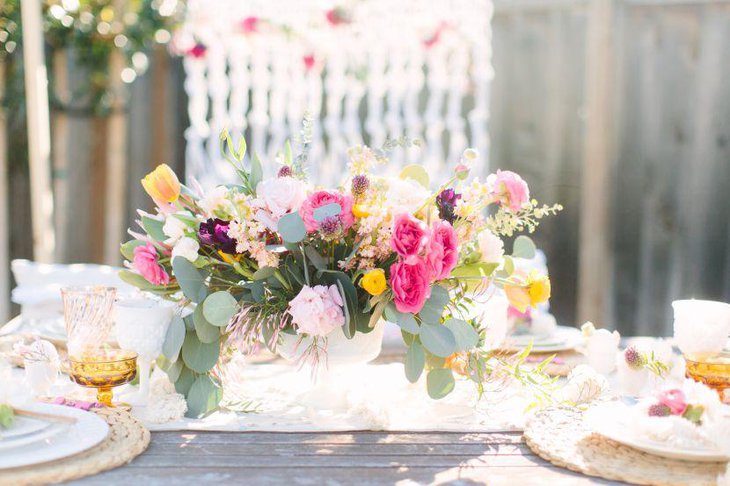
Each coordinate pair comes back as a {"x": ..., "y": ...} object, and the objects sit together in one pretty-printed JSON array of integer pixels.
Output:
[
  {"x": 562, "y": 437},
  {"x": 127, "y": 439}
]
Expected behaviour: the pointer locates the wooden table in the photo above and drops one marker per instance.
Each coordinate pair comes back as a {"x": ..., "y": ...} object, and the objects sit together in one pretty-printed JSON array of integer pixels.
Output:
[{"x": 362, "y": 458}]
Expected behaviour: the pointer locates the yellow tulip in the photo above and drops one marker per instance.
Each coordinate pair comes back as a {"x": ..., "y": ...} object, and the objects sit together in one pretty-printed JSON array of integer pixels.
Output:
[
  {"x": 360, "y": 211},
  {"x": 538, "y": 288},
  {"x": 374, "y": 282},
  {"x": 162, "y": 184},
  {"x": 518, "y": 297}
]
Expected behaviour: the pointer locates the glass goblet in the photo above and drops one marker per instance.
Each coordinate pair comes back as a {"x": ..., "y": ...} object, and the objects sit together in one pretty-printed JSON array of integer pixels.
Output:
[
  {"x": 141, "y": 326},
  {"x": 104, "y": 370},
  {"x": 87, "y": 314}
]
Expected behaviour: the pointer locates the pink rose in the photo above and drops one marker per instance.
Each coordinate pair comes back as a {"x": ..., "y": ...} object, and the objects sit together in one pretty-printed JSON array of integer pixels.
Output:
[
  {"x": 323, "y": 198},
  {"x": 410, "y": 237},
  {"x": 411, "y": 285},
  {"x": 317, "y": 310},
  {"x": 508, "y": 189},
  {"x": 444, "y": 245},
  {"x": 674, "y": 399},
  {"x": 145, "y": 262}
]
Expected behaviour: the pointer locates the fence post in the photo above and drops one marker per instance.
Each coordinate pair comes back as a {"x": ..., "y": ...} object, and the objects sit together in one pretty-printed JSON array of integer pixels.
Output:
[
  {"x": 4, "y": 205},
  {"x": 39, "y": 138},
  {"x": 595, "y": 257}
]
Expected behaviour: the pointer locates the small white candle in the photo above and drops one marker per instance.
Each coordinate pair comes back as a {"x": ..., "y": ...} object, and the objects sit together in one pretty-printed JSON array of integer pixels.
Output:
[{"x": 701, "y": 327}]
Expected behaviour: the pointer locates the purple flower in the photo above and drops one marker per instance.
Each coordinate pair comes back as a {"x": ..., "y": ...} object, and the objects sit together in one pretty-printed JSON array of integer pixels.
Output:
[
  {"x": 214, "y": 232},
  {"x": 446, "y": 203},
  {"x": 360, "y": 184},
  {"x": 331, "y": 227}
]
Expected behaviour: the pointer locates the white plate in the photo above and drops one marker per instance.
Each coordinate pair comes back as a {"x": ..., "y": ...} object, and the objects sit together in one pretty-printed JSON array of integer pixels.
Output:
[
  {"x": 609, "y": 420},
  {"x": 22, "y": 426},
  {"x": 49, "y": 431},
  {"x": 563, "y": 339},
  {"x": 88, "y": 431}
]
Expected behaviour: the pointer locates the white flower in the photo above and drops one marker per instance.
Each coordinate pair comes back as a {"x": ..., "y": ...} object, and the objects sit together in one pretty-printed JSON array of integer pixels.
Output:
[
  {"x": 601, "y": 349},
  {"x": 174, "y": 228},
  {"x": 584, "y": 385},
  {"x": 317, "y": 310},
  {"x": 491, "y": 247},
  {"x": 277, "y": 197},
  {"x": 187, "y": 248},
  {"x": 216, "y": 201},
  {"x": 405, "y": 196}
]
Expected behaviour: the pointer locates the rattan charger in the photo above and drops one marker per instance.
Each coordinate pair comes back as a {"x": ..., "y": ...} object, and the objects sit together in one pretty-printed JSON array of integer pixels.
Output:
[
  {"x": 127, "y": 439},
  {"x": 561, "y": 436}
]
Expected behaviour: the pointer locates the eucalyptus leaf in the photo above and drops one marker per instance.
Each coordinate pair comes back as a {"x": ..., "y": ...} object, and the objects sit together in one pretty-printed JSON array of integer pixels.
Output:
[
  {"x": 323, "y": 212},
  {"x": 523, "y": 247},
  {"x": 199, "y": 356},
  {"x": 408, "y": 323},
  {"x": 408, "y": 338},
  {"x": 263, "y": 273},
  {"x": 127, "y": 248},
  {"x": 219, "y": 307},
  {"x": 203, "y": 397},
  {"x": 206, "y": 332},
  {"x": 191, "y": 279},
  {"x": 466, "y": 337},
  {"x": 189, "y": 324},
  {"x": 319, "y": 262},
  {"x": 172, "y": 369},
  {"x": 291, "y": 228},
  {"x": 416, "y": 172},
  {"x": 439, "y": 383},
  {"x": 414, "y": 363},
  {"x": 433, "y": 309},
  {"x": 184, "y": 380},
  {"x": 437, "y": 339},
  {"x": 153, "y": 227},
  {"x": 174, "y": 339}
]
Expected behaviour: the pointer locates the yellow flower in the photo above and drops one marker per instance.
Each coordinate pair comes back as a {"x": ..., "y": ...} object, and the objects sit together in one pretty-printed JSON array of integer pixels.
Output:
[
  {"x": 374, "y": 282},
  {"x": 231, "y": 259},
  {"x": 162, "y": 184},
  {"x": 360, "y": 211},
  {"x": 529, "y": 292}
]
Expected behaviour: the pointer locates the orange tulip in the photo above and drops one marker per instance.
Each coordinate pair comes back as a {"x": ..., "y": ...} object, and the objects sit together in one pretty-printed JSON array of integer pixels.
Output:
[{"x": 162, "y": 184}]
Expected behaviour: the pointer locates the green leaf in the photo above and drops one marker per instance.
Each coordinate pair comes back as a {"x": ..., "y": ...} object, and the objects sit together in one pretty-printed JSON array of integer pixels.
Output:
[
  {"x": 319, "y": 262},
  {"x": 342, "y": 280},
  {"x": 408, "y": 323},
  {"x": 7, "y": 416},
  {"x": 172, "y": 369},
  {"x": 415, "y": 361},
  {"x": 433, "y": 309},
  {"x": 350, "y": 324},
  {"x": 135, "y": 280},
  {"x": 480, "y": 269},
  {"x": 127, "y": 248},
  {"x": 174, "y": 339},
  {"x": 288, "y": 157},
  {"x": 408, "y": 338},
  {"x": 190, "y": 279},
  {"x": 219, "y": 307},
  {"x": 263, "y": 273},
  {"x": 439, "y": 383},
  {"x": 523, "y": 247},
  {"x": 466, "y": 337},
  {"x": 199, "y": 356},
  {"x": 206, "y": 332},
  {"x": 241, "y": 153},
  {"x": 509, "y": 265},
  {"x": 291, "y": 228},
  {"x": 438, "y": 340},
  {"x": 257, "y": 171},
  {"x": 189, "y": 324},
  {"x": 416, "y": 172},
  {"x": 203, "y": 397},
  {"x": 184, "y": 380},
  {"x": 153, "y": 227},
  {"x": 323, "y": 212}
]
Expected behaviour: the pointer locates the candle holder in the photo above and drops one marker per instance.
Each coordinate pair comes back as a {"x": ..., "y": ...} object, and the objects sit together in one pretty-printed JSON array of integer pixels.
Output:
[
  {"x": 713, "y": 371},
  {"x": 104, "y": 370}
]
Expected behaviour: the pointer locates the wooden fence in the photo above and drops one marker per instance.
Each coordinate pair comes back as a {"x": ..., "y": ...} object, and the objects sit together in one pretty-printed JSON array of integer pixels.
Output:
[{"x": 618, "y": 109}]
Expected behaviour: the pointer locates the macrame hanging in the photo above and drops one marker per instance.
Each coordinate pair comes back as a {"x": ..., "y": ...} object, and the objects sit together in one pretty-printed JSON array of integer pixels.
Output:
[{"x": 365, "y": 72}]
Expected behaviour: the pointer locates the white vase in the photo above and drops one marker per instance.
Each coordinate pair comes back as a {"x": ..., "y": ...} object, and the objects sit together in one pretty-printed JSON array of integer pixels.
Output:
[{"x": 340, "y": 351}]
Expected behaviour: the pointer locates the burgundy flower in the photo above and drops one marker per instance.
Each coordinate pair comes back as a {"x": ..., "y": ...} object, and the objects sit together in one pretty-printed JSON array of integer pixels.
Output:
[
  {"x": 446, "y": 204},
  {"x": 214, "y": 232}
]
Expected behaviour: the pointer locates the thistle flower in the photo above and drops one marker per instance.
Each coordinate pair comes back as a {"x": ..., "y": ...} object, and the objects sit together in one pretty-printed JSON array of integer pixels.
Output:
[
  {"x": 659, "y": 410},
  {"x": 284, "y": 172},
  {"x": 360, "y": 185},
  {"x": 634, "y": 358},
  {"x": 331, "y": 227}
]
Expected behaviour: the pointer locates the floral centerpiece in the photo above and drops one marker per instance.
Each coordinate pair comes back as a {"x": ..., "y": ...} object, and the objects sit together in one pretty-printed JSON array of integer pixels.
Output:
[{"x": 274, "y": 257}]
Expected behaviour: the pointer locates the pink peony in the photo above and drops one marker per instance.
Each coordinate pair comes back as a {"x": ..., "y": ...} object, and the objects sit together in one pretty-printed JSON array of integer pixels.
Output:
[
  {"x": 445, "y": 246},
  {"x": 411, "y": 285},
  {"x": 323, "y": 198},
  {"x": 145, "y": 262},
  {"x": 317, "y": 310},
  {"x": 410, "y": 237},
  {"x": 674, "y": 399},
  {"x": 508, "y": 189}
]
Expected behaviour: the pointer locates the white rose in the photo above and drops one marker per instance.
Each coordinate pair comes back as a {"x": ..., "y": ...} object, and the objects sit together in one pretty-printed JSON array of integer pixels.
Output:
[
  {"x": 215, "y": 200},
  {"x": 174, "y": 229},
  {"x": 186, "y": 248},
  {"x": 280, "y": 195},
  {"x": 406, "y": 196},
  {"x": 491, "y": 247}
]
